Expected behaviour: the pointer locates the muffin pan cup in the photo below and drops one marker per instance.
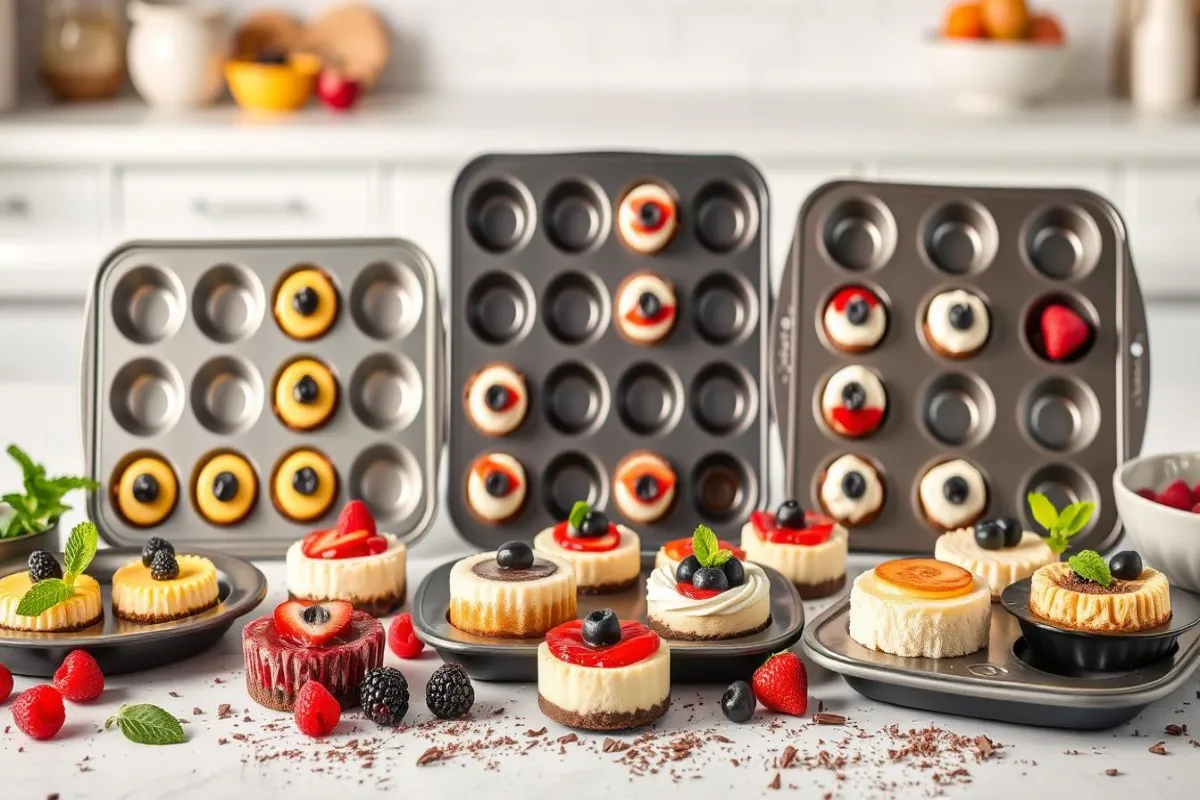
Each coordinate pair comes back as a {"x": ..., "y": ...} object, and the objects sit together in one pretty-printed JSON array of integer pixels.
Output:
[
  {"x": 515, "y": 660},
  {"x": 1007, "y": 681},
  {"x": 536, "y": 263},
  {"x": 190, "y": 372},
  {"x": 1028, "y": 424}
]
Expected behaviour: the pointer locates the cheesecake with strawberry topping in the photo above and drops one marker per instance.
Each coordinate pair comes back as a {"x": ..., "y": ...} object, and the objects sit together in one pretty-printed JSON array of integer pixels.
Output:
[
  {"x": 853, "y": 402},
  {"x": 496, "y": 488},
  {"x": 854, "y": 319},
  {"x": 606, "y": 557},
  {"x": 646, "y": 308},
  {"x": 647, "y": 218},
  {"x": 511, "y": 593},
  {"x": 710, "y": 595},
  {"x": 329, "y": 643},
  {"x": 602, "y": 673},
  {"x": 808, "y": 549},
  {"x": 352, "y": 562},
  {"x": 496, "y": 399},
  {"x": 644, "y": 487}
]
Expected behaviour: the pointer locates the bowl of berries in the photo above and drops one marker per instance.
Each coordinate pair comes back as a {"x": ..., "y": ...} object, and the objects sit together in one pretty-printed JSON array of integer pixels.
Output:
[{"x": 1158, "y": 498}]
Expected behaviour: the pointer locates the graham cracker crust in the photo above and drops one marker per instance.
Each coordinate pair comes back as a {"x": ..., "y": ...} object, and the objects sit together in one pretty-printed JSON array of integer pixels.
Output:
[
  {"x": 603, "y": 720},
  {"x": 146, "y": 619},
  {"x": 609, "y": 588},
  {"x": 80, "y": 627},
  {"x": 815, "y": 591},
  {"x": 667, "y": 632},
  {"x": 376, "y": 607}
]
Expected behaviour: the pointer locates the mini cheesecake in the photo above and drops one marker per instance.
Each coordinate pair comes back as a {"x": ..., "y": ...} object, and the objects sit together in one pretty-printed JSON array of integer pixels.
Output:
[
  {"x": 83, "y": 609},
  {"x": 146, "y": 491},
  {"x": 957, "y": 324},
  {"x": 998, "y": 551},
  {"x": 511, "y": 593},
  {"x": 304, "y": 486},
  {"x": 808, "y": 549},
  {"x": 920, "y": 608},
  {"x": 854, "y": 402},
  {"x": 496, "y": 400},
  {"x": 496, "y": 488},
  {"x": 606, "y": 557},
  {"x": 306, "y": 304},
  {"x": 644, "y": 487},
  {"x": 225, "y": 489},
  {"x": 854, "y": 320},
  {"x": 952, "y": 494},
  {"x": 163, "y": 586},
  {"x": 646, "y": 308},
  {"x": 852, "y": 491},
  {"x": 603, "y": 674},
  {"x": 647, "y": 218},
  {"x": 1139, "y": 601},
  {"x": 306, "y": 394}
]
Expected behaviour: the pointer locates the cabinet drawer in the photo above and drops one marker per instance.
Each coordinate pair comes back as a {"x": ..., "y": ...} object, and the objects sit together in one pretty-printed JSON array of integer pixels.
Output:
[
  {"x": 49, "y": 203},
  {"x": 253, "y": 203},
  {"x": 1164, "y": 226}
]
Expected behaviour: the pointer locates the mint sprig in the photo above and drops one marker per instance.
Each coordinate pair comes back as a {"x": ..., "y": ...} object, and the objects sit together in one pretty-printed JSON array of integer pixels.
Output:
[
  {"x": 578, "y": 512},
  {"x": 707, "y": 548},
  {"x": 1091, "y": 565},
  {"x": 145, "y": 723},
  {"x": 41, "y": 503},
  {"x": 81, "y": 549},
  {"x": 43, "y": 595},
  {"x": 1060, "y": 525}
]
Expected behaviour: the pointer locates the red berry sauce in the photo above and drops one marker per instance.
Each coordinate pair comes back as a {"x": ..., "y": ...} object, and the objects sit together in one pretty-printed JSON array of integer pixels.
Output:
[
  {"x": 586, "y": 544},
  {"x": 679, "y": 549},
  {"x": 818, "y": 530},
  {"x": 637, "y": 644},
  {"x": 856, "y": 423}
]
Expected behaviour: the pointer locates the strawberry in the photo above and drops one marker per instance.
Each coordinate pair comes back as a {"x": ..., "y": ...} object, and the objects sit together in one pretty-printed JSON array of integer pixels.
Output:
[
  {"x": 376, "y": 545},
  {"x": 312, "y": 624},
  {"x": 334, "y": 544},
  {"x": 356, "y": 516},
  {"x": 79, "y": 679},
  {"x": 6, "y": 683},
  {"x": 781, "y": 684},
  {"x": 317, "y": 711},
  {"x": 1063, "y": 332},
  {"x": 402, "y": 639},
  {"x": 1147, "y": 493},
  {"x": 1177, "y": 495},
  {"x": 39, "y": 712}
]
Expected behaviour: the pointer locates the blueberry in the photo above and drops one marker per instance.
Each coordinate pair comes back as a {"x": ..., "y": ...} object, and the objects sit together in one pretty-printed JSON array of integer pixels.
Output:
[
  {"x": 225, "y": 486},
  {"x": 738, "y": 702},
  {"x": 854, "y": 396},
  {"x": 650, "y": 215},
  {"x": 649, "y": 305},
  {"x": 988, "y": 535},
  {"x": 1126, "y": 565},
  {"x": 710, "y": 578},
  {"x": 497, "y": 397},
  {"x": 1012, "y": 530},
  {"x": 594, "y": 524},
  {"x": 790, "y": 515},
  {"x": 145, "y": 488},
  {"x": 857, "y": 311},
  {"x": 854, "y": 485},
  {"x": 686, "y": 571},
  {"x": 497, "y": 483},
  {"x": 514, "y": 555},
  {"x": 305, "y": 301},
  {"x": 306, "y": 390},
  {"x": 734, "y": 571},
  {"x": 962, "y": 317},
  {"x": 646, "y": 488},
  {"x": 956, "y": 490},
  {"x": 601, "y": 628},
  {"x": 305, "y": 481}
]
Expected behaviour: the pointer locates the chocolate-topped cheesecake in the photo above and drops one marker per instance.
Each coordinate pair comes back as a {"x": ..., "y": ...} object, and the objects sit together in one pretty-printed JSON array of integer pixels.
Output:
[
  {"x": 1088, "y": 594},
  {"x": 511, "y": 593}
]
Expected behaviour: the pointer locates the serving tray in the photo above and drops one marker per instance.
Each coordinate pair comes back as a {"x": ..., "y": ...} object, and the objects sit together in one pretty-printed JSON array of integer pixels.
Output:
[
  {"x": 120, "y": 646},
  {"x": 494, "y": 659}
]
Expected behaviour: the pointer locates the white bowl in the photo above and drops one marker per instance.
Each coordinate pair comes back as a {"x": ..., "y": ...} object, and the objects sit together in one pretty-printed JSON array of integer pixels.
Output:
[
  {"x": 993, "y": 76},
  {"x": 1167, "y": 539}
]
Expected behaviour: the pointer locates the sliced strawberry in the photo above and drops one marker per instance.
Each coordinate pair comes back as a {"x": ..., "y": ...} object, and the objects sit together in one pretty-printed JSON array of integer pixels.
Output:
[
  {"x": 679, "y": 549},
  {"x": 356, "y": 516},
  {"x": 377, "y": 545},
  {"x": 312, "y": 624},
  {"x": 586, "y": 544},
  {"x": 1064, "y": 332},
  {"x": 333, "y": 544},
  {"x": 817, "y": 531},
  {"x": 690, "y": 591}
]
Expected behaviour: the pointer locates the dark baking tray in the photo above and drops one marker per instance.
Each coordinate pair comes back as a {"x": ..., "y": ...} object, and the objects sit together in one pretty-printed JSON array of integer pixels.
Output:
[
  {"x": 1101, "y": 283},
  {"x": 489, "y": 659},
  {"x": 121, "y": 646},
  {"x": 1004, "y": 681},
  {"x": 533, "y": 282}
]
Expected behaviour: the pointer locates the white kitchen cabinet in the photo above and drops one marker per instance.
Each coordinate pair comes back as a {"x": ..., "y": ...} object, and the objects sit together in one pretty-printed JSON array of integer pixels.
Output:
[
  {"x": 1163, "y": 217},
  {"x": 418, "y": 202},
  {"x": 789, "y": 188},
  {"x": 50, "y": 203}
]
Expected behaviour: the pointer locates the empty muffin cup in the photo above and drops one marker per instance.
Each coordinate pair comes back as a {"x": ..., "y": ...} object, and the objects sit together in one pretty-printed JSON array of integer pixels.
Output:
[
  {"x": 574, "y": 398},
  {"x": 724, "y": 310},
  {"x": 499, "y": 215},
  {"x": 569, "y": 478},
  {"x": 388, "y": 480},
  {"x": 1062, "y": 242},
  {"x": 386, "y": 301},
  {"x": 1060, "y": 414},
  {"x": 148, "y": 304},
  {"x": 959, "y": 237},
  {"x": 1063, "y": 484},
  {"x": 649, "y": 399},
  {"x": 859, "y": 234},
  {"x": 722, "y": 490},
  {"x": 228, "y": 303},
  {"x": 385, "y": 391},
  {"x": 726, "y": 216},
  {"x": 227, "y": 395},
  {"x": 958, "y": 409},
  {"x": 575, "y": 308},
  {"x": 576, "y": 216},
  {"x": 147, "y": 397},
  {"x": 498, "y": 307},
  {"x": 723, "y": 399}
]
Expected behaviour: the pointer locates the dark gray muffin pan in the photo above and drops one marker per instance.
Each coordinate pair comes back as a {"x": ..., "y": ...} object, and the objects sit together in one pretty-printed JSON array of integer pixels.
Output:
[
  {"x": 1027, "y": 424},
  {"x": 181, "y": 355},
  {"x": 535, "y": 266}
]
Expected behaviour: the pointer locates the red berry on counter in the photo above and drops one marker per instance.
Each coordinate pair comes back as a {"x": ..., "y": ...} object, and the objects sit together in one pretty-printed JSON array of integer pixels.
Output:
[
  {"x": 317, "y": 711},
  {"x": 781, "y": 684},
  {"x": 403, "y": 639},
  {"x": 337, "y": 90},
  {"x": 6, "y": 683},
  {"x": 1177, "y": 495},
  {"x": 79, "y": 678},
  {"x": 39, "y": 712},
  {"x": 1147, "y": 493}
]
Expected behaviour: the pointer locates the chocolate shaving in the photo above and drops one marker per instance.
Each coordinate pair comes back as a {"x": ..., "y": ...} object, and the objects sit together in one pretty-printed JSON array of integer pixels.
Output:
[
  {"x": 1159, "y": 749},
  {"x": 429, "y": 756},
  {"x": 196, "y": 711},
  {"x": 224, "y": 711},
  {"x": 716, "y": 737},
  {"x": 615, "y": 746},
  {"x": 241, "y": 737},
  {"x": 1112, "y": 773},
  {"x": 532, "y": 733},
  {"x": 776, "y": 782},
  {"x": 570, "y": 737},
  {"x": 1194, "y": 743},
  {"x": 173, "y": 694},
  {"x": 822, "y": 718},
  {"x": 222, "y": 741},
  {"x": 788, "y": 757},
  {"x": 985, "y": 747},
  {"x": 1176, "y": 730}
]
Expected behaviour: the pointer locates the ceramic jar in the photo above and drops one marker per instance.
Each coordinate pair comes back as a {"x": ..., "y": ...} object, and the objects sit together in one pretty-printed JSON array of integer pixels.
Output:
[
  {"x": 1163, "y": 55},
  {"x": 177, "y": 51}
]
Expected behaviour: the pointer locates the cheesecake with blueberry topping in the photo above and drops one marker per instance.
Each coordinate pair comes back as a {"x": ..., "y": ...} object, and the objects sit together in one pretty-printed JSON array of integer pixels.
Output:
[
  {"x": 644, "y": 487},
  {"x": 496, "y": 488},
  {"x": 46, "y": 598},
  {"x": 854, "y": 402},
  {"x": 511, "y": 593},
  {"x": 808, "y": 549},
  {"x": 647, "y": 218},
  {"x": 605, "y": 556},
  {"x": 854, "y": 319},
  {"x": 645, "y": 308},
  {"x": 957, "y": 324},
  {"x": 953, "y": 494},
  {"x": 1088, "y": 594},
  {"x": 998, "y": 550},
  {"x": 852, "y": 491},
  {"x": 496, "y": 399}
]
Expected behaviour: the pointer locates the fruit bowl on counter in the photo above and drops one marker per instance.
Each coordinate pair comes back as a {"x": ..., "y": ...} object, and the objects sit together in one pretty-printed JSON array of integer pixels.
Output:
[{"x": 1158, "y": 498}]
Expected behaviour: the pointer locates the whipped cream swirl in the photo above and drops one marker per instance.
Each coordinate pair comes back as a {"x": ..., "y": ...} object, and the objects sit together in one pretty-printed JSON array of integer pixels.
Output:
[{"x": 660, "y": 590}]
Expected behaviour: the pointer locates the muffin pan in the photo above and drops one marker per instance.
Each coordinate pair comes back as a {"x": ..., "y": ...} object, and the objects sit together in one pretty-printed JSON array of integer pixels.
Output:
[
  {"x": 536, "y": 265},
  {"x": 181, "y": 360},
  {"x": 1026, "y": 423},
  {"x": 1007, "y": 681},
  {"x": 495, "y": 659}
]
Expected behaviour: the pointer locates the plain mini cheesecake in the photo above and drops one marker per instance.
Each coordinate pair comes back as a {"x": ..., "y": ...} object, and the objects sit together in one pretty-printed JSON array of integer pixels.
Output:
[
  {"x": 76, "y": 606},
  {"x": 163, "y": 586},
  {"x": 1086, "y": 594},
  {"x": 511, "y": 593},
  {"x": 603, "y": 674},
  {"x": 998, "y": 550},
  {"x": 808, "y": 549},
  {"x": 952, "y": 494},
  {"x": 606, "y": 557}
]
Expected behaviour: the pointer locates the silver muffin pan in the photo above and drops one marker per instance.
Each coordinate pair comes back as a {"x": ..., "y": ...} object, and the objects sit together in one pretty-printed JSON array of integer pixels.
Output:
[
  {"x": 181, "y": 358},
  {"x": 1026, "y": 423},
  {"x": 536, "y": 262}
]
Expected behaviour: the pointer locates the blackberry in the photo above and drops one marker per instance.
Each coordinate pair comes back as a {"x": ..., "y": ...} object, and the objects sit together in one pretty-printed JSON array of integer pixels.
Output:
[
  {"x": 449, "y": 693},
  {"x": 164, "y": 567},
  {"x": 155, "y": 544},
  {"x": 42, "y": 565},
  {"x": 306, "y": 300},
  {"x": 383, "y": 695}
]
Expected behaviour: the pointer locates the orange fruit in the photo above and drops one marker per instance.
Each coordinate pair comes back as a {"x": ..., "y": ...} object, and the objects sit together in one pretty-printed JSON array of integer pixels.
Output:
[
  {"x": 1006, "y": 19},
  {"x": 965, "y": 21},
  {"x": 925, "y": 577},
  {"x": 1046, "y": 28}
]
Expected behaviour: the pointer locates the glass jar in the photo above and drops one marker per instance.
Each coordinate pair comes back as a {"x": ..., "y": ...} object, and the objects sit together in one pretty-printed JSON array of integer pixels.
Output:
[{"x": 82, "y": 54}]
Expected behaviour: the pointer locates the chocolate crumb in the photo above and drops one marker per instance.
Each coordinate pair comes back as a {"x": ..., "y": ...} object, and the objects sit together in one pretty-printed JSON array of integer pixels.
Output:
[
  {"x": 217, "y": 680},
  {"x": 788, "y": 757},
  {"x": 53, "y": 796},
  {"x": 196, "y": 711},
  {"x": 1159, "y": 749},
  {"x": 429, "y": 756},
  {"x": 241, "y": 737},
  {"x": 829, "y": 719},
  {"x": 247, "y": 718},
  {"x": 1194, "y": 743},
  {"x": 615, "y": 746},
  {"x": 716, "y": 737},
  {"x": 735, "y": 762},
  {"x": 498, "y": 712},
  {"x": 776, "y": 782},
  {"x": 1176, "y": 730},
  {"x": 173, "y": 694},
  {"x": 222, "y": 741},
  {"x": 1112, "y": 773},
  {"x": 985, "y": 747},
  {"x": 224, "y": 711}
]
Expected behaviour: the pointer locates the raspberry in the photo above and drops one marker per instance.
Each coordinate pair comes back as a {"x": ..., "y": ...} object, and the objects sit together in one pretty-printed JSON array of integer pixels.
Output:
[
  {"x": 1177, "y": 495},
  {"x": 317, "y": 711},
  {"x": 39, "y": 712},
  {"x": 402, "y": 639},
  {"x": 79, "y": 678},
  {"x": 5, "y": 683},
  {"x": 1147, "y": 493}
]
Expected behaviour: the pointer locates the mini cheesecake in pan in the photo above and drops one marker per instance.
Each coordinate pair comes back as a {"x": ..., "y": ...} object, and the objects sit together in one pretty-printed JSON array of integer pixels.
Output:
[
  {"x": 957, "y": 324},
  {"x": 304, "y": 486},
  {"x": 27, "y": 599},
  {"x": 511, "y": 593},
  {"x": 644, "y": 487},
  {"x": 952, "y": 494},
  {"x": 606, "y": 557},
  {"x": 808, "y": 549},
  {"x": 647, "y": 218},
  {"x": 146, "y": 491},
  {"x": 603, "y": 674},
  {"x": 854, "y": 320},
  {"x": 306, "y": 394},
  {"x": 225, "y": 489},
  {"x": 496, "y": 400},
  {"x": 852, "y": 491},
  {"x": 351, "y": 562},
  {"x": 1086, "y": 594},
  {"x": 162, "y": 586},
  {"x": 854, "y": 402},
  {"x": 496, "y": 488},
  {"x": 306, "y": 304},
  {"x": 646, "y": 308}
]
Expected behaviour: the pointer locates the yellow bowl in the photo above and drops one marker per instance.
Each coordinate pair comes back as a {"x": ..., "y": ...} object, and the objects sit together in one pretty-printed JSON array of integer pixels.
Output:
[{"x": 273, "y": 87}]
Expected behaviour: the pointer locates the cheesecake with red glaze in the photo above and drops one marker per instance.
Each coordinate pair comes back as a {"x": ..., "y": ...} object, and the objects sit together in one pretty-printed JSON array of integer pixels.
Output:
[
  {"x": 646, "y": 308},
  {"x": 496, "y": 399},
  {"x": 808, "y": 549},
  {"x": 647, "y": 218},
  {"x": 644, "y": 487},
  {"x": 496, "y": 488},
  {"x": 602, "y": 673},
  {"x": 854, "y": 319},
  {"x": 511, "y": 593},
  {"x": 329, "y": 643},
  {"x": 854, "y": 402},
  {"x": 606, "y": 557}
]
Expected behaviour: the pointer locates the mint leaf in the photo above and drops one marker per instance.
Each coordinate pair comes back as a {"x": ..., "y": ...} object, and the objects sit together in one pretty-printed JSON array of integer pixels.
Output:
[
  {"x": 1074, "y": 518},
  {"x": 704, "y": 545},
  {"x": 40, "y": 506},
  {"x": 81, "y": 547},
  {"x": 578, "y": 512},
  {"x": 145, "y": 723},
  {"x": 1044, "y": 512},
  {"x": 43, "y": 595},
  {"x": 720, "y": 557},
  {"x": 1091, "y": 565}
]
